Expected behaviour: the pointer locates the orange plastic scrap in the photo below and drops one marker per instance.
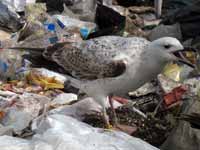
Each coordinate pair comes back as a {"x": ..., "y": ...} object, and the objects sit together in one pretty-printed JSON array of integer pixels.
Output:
[
  {"x": 7, "y": 87},
  {"x": 43, "y": 81},
  {"x": 175, "y": 95},
  {"x": 191, "y": 56},
  {"x": 2, "y": 114}
]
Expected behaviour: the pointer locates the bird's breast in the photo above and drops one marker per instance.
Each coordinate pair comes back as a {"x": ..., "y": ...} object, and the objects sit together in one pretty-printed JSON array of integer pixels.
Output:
[{"x": 134, "y": 77}]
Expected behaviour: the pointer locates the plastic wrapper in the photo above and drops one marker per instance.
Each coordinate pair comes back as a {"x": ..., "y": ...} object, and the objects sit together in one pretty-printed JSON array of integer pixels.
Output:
[
  {"x": 65, "y": 22},
  {"x": 44, "y": 81},
  {"x": 23, "y": 110},
  {"x": 40, "y": 35},
  {"x": 36, "y": 35},
  {"x": 172, "y": 71},
  {"x": 11, "y": 63},
  {"x": 9, "y": 19},
  {"x": 167, "y": 84},
  {"x": 45, "y": 78}
]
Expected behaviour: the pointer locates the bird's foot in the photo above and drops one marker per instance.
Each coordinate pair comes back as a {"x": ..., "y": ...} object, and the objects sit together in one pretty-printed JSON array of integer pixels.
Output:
[{"x": 109, "y": 128}]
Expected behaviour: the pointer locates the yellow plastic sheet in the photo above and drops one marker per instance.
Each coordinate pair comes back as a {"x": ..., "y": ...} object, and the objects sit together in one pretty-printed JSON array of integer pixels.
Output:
[
  {"x": 172, "y": 71},
  {"x": 45, "y": 82}
]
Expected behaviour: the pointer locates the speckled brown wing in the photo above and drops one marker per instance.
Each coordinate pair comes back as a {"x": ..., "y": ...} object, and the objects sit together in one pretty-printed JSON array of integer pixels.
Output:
[{"x": 85, "y": 65}]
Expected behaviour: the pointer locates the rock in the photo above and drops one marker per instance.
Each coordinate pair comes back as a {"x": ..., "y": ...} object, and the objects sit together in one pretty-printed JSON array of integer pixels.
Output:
[
  {"x": 184, "y": 136},
  {"x": 166, "y": 30}
]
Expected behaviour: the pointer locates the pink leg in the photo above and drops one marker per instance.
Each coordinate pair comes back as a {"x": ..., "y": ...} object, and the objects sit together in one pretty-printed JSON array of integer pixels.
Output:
[{"x": 113, "y": 110}]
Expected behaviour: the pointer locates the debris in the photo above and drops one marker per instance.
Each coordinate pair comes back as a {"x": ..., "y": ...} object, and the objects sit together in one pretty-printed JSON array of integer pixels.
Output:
[
  {"x": 44, "y": 81},
  {"x": 82, "y": 108},
  {"x": 36, "y": 12},
  {"x": 18, "y": 5},
  {"x": 172, "y": 71},
  {"x": 188, "y": 134},
  {"x": 67, "y": 127},
  {"x": 63, "y": 99},
  {"x": 36, "y": 104},
  {"x": 11, "y": 63},
  {"x": 167, "y": 84},
  {"x": 23, "y": 110},
  {"x": 110, "y": 23},
  {"x": 9, "y": 19},
  {"x": 144, "y": 90},
  {"x": 67, "y": 22},
  {"x": 4, "y": 36},
  {"x": 174, "y": 96}
]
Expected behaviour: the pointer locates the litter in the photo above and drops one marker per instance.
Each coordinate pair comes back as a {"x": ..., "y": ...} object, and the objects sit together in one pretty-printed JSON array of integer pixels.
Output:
[
  {"x": 9, "y": 19},
  {"x": 41, "y": 110},
  {"x": 18, "y": 5}
]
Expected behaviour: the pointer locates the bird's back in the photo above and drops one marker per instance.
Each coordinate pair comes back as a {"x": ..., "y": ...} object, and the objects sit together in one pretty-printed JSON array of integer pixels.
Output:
[{"x": 98, "y": 58}]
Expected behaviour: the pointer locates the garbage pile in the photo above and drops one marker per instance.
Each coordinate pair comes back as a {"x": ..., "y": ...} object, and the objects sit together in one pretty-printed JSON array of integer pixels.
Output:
[{"x": 39, "y": 109}]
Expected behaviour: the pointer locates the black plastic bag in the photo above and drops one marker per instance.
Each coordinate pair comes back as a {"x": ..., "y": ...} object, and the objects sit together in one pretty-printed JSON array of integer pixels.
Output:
[{"x": 109, "y": 21}]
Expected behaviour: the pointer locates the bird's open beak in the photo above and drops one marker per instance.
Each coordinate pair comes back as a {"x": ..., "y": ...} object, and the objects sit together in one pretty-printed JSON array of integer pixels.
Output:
[{"x": 180, "y": 55}]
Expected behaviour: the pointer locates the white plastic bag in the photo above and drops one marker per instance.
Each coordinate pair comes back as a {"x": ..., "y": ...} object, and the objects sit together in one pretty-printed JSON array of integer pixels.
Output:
[
  {"x": 18, "y": 4},
  {"x": 66, "y": 133}
]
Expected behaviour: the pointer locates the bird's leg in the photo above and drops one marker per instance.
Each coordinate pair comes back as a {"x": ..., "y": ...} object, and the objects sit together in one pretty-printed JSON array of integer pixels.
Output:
[
  {"x": 106, "y": 118},
  {"x": 113, "y": 109},
  {"x": 160, "y": 92}
]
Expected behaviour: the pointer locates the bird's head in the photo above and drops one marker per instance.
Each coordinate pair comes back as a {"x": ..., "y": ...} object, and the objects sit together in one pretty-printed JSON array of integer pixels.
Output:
[{"x": 169, "y": 49}]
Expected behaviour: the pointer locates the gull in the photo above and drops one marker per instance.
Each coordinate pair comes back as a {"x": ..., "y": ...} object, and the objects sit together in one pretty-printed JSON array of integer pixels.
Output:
[{"x": 111, "y": 65}]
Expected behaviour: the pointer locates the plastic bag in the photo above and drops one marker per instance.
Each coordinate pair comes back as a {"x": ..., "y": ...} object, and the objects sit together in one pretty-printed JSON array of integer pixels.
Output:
[
  {"x": 9, "y": 19},
  {"x": 64, "y": 133},
  {"x": 19, "y": 115},
  {"x": 11, "y": 63},
  {"x": 18, "y": 5}
]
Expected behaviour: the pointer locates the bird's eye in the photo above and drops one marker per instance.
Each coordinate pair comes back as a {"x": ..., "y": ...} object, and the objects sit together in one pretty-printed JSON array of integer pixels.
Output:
[{"x": 167, "y": 46}]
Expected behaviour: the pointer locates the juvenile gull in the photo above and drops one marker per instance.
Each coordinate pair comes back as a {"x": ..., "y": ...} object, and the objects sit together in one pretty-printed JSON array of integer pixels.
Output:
[{"x": 111, "y": 65}]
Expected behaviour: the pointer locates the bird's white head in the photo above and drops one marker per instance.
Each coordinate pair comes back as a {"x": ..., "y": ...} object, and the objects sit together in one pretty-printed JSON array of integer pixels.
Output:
[
  {"x": 164, "y": 47},
  {"x": 165, "y": 50}
]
